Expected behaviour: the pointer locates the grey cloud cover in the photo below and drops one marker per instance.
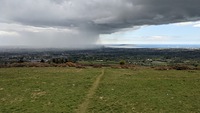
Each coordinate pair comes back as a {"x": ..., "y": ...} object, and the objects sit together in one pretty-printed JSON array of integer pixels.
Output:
[{"x": 89, "y": 18}]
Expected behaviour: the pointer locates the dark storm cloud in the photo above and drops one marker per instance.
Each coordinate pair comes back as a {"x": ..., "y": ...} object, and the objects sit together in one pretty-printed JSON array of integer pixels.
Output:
[
  {"x": 102, "y": 15},
  {"x": 94, "y": 17}
]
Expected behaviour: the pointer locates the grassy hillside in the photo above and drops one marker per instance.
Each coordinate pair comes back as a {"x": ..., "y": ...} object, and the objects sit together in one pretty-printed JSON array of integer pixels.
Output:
[
  {"x": 46, "y": 90},
  {"x": 147, "y": 91},
  {"x": 51, "y": 90}
]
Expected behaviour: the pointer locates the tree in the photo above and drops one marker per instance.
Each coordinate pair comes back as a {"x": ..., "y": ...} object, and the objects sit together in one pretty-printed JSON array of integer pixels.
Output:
[
  {"x": 122, "y": 62},
  {"x": 21, "y": 60},
  {"x": 42, "y": 61}
]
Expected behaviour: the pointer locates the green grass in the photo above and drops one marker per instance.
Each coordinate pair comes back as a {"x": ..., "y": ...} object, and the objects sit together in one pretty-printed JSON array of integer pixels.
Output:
[
  {"x": 57, "y": 90},
  {"x": 46, "y": 90},
  {"x": 147, "y": 90}
]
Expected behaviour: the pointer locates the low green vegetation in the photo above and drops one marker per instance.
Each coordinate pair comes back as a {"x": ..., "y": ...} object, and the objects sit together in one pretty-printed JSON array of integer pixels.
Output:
[
  {"x": 147, "y": 90},
  {"x": 44, "y": 90},
  {"x": 63, "y": 90}
]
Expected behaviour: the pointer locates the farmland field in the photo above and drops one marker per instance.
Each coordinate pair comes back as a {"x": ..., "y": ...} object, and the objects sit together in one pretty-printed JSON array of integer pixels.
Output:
[{"x": 100, "y": 90}]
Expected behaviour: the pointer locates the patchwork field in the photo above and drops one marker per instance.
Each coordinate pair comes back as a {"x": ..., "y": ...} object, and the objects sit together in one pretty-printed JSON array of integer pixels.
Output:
[{"x": 68, "y": 90}]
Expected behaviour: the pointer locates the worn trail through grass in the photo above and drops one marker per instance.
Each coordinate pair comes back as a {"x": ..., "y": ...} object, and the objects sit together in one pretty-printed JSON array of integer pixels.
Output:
[{"x": 83, "y": 106}]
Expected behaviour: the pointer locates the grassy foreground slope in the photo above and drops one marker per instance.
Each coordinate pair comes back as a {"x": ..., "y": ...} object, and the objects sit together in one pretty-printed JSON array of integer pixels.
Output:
[
  {"x": 44, "y": 90},
  {"x": 57, "y": 90},
  {"x": 147, "y": 91}
]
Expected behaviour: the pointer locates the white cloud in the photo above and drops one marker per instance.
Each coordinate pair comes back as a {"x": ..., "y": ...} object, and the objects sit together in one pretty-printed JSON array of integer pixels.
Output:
[
  {"x": 20, "y": 28},
  {"x": 158, "y": 38},
  {"x": 8, "y": 33},
  {"x": 184, "y": 23},
  {"x": 197, "y": 25},
  {"x": 193, "y": 24}
]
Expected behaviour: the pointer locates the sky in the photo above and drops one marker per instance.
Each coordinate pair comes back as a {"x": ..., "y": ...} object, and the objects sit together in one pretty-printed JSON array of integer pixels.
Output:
[
  {"x": 84, "y": 23},
  {"x": 178, "y": 33}
]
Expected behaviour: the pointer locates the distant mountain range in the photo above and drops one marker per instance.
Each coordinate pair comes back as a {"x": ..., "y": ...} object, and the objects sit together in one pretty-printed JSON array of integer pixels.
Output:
[
  {"x": 187, "y": 46},
  {"x": 157, "y": 46}
]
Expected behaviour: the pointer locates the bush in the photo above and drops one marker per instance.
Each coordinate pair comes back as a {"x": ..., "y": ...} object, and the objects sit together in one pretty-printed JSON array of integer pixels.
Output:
[
  {"x": 184, "y": 67},
  {"x": 97, "y": 66},
  {"x": 122, "y": 62},
  {"x": 163, "y": 68},
  {"x": 71, "y": 64}
]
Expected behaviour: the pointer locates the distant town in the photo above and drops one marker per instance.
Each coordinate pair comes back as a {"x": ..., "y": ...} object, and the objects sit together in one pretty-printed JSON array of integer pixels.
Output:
[{"x": 103, "y": 56}]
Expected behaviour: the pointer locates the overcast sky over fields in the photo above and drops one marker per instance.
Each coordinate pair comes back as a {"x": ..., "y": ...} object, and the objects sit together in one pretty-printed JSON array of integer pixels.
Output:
[{"x": 82, "y": 23}]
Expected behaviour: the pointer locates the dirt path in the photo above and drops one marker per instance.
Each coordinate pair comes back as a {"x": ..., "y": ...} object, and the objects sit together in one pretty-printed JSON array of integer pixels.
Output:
[{"x": 83, "y": 107}]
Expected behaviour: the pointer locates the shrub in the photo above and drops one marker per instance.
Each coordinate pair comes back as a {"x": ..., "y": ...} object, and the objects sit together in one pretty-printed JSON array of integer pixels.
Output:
[{"x": 122, "y": 62}]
